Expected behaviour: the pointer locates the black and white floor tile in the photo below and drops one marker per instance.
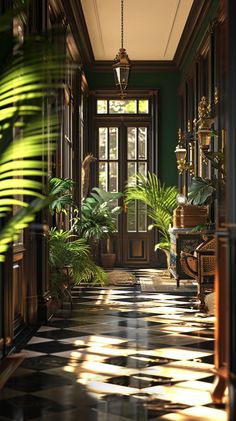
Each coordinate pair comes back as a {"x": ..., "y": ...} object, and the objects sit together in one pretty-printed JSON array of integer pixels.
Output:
[{"x": 118, "y": 354}]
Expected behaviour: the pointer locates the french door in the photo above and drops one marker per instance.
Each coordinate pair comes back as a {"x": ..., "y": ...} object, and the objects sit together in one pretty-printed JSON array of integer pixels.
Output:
[{"x": 123, "y": 150}]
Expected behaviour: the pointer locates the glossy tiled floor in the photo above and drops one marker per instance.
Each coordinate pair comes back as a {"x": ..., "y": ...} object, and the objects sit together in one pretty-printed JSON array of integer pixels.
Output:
[{"x": 117, "y": 355}]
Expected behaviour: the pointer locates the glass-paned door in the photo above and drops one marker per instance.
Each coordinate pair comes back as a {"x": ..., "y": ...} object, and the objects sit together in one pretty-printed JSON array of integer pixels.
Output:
[{"x": 123, "y": 151}]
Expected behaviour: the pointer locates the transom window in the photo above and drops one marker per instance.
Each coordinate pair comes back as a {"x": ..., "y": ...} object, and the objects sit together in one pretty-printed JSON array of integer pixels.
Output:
[{"x": 122, "y": 106}]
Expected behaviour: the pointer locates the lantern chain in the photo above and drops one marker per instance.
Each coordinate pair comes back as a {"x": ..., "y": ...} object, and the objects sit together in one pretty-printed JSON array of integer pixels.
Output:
[{"x": 122, "y": 24}]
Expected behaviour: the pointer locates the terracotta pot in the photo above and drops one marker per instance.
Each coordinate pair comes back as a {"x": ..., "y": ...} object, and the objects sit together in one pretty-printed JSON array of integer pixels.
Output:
[{"x": 108, "y": 260}]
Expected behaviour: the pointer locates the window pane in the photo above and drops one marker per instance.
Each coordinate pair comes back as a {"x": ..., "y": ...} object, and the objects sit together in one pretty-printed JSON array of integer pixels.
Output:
[
  {"x": 143, "y": 106},
  {"x": 142, "y": 217},
  {"x": 132, "y": 169},
  {"x": 131, "y": 216},
  {"x": 142, "y": 142},
  {"x": 113, "y": 176},
  {"x": 102, "y": 178},
  {"x": 115, "y": 203},
  {"x": 123, "y": 106},
  {"x": 113, "y": 142},
  {"x": 102, "y": 143},
  {"x": 130, "y": 106},
  {"x": 102, "y": 106},
  {"x": 142, "y": 168},
  {"x": 132, "y": 143}
]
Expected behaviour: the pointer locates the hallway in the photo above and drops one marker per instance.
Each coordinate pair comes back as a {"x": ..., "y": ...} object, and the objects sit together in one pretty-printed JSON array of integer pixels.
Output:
[{"x": 119, "y": 354}]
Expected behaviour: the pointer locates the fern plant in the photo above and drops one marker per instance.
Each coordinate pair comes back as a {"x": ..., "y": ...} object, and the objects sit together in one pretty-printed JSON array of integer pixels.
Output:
[
  {"x": 99, "y": 212},
  {"x": 66, "y": 250},
  {"x": 160, "y": 201}
]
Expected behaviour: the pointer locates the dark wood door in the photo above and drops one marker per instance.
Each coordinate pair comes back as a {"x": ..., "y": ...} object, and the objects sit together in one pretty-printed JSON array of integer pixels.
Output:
[{"x": 124, "y": 149}]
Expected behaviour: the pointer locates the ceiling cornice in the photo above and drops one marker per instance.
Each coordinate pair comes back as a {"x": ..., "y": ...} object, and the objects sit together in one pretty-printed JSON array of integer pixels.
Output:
[
  {"x": 195, "y": 19},
  {"x": 144, "y": 66},
  {"x": 76, "y": 20},
  {"x": 74, "y": 13}
]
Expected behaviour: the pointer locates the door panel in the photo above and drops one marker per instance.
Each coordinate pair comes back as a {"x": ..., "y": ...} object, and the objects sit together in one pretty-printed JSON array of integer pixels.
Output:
[
  {"x": 135, "y": 235},
  {"x": 123, "y": 152}
]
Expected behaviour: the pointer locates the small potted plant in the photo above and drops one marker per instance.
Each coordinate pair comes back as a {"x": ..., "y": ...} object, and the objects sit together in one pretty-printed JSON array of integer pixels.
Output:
[
  {"x": 69, "y": 260},
  {"x": 98, "y": 221}
]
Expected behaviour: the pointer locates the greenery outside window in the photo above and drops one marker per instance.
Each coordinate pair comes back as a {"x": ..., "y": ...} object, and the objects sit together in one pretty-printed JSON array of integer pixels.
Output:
[{"x": 122, "y": 106}]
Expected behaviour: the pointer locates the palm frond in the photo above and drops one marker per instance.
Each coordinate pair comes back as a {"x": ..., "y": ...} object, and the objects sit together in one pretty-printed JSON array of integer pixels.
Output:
[
  {"x": 19, "y": 221},
  {"x": 160, "y": 200},
  {"x": 62, "y": 190},
  {"x": 25, "y": 137},
  {"x": 66, "y": 250}
]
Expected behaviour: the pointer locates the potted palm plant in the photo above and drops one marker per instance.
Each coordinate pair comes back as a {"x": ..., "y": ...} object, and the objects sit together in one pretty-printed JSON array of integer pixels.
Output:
[
  {"x": 160, "y": 201},
  {"x": 98, "y": 221}
]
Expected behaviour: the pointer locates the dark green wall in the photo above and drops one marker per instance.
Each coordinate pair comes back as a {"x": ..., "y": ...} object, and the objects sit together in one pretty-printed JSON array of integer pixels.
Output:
[{"x": 166, "y": 84}]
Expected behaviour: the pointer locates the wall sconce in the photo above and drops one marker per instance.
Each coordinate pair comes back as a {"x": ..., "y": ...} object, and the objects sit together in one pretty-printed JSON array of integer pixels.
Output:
[
  {"x": 180, "y": 153},
  {"x": 205, "y": 122}
]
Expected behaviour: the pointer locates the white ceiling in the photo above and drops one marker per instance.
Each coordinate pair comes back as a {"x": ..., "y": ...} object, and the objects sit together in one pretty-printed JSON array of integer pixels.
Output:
[{"x": 152, "y": 28}]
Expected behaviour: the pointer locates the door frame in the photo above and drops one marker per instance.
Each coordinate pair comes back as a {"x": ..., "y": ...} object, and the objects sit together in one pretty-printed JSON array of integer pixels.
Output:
[{"x": 111, "y": 120}]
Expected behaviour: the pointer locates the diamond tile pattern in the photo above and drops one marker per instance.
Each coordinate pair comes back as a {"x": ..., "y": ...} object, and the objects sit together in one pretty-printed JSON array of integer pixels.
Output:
[{"x": 118, "y": 354}]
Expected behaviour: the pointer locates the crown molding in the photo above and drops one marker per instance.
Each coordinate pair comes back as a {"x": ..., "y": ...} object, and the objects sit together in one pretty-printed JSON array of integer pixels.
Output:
[
  {"x": 137, "y": 66},
  {"x": 75, "y": 16},
  {"x": 194, "y": 22}
]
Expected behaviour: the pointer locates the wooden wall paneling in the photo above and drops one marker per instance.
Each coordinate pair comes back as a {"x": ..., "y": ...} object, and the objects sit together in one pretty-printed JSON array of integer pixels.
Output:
[
  {"x": 7, "y": 304},
  {"x": 37, "y": 16},
  {"x": 19, "y": 309},
  {"x": 37, "y": 273},
  {"x": 223, "y": 246},
  {"x": 189, "y": 128},
  {"x": 205, "y": 83},
  {"x": 195, "y": 112},
  {"x": 221, "y": 325},
  {"x": 183, "y": 176},
  {"x": 77, "y": 136},
  {"x": 5, "y": 5},
  {"x": 209, "y": 77},
  {"x": 205, "y": 68},
  {"x": 221, "y": 74},
  {"x": 1, "y": 311},
  {"x": 181, "y": 185}
]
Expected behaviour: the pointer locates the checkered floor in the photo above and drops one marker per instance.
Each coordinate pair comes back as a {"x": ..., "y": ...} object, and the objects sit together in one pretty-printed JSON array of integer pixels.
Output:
[{"x": 117, "y": 355}]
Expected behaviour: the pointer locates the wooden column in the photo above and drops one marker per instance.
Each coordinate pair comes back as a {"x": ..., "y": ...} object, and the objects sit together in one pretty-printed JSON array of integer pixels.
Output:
[{"x": 231, "y": 202}]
